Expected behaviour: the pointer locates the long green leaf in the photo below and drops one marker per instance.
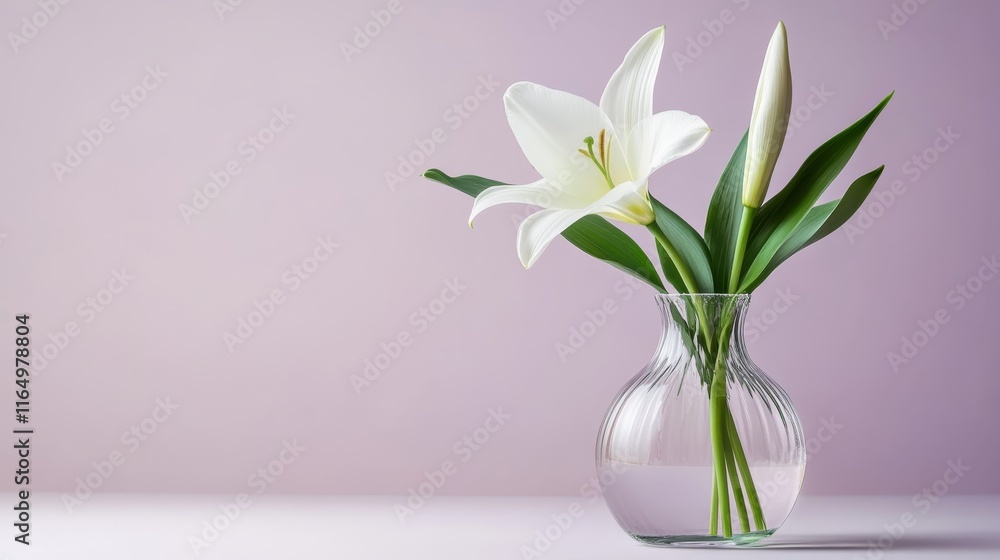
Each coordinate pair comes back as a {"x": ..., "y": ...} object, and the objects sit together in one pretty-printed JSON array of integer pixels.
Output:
[
  {"x": 593, "y": 234},
  {"x": 670, "y": 271},
  {"x": 598, "y": 238},
  {"x": 852, "y": 200},
  {"x": 779, "y": 217},
  {"x": 690, "y": 247},
  {"x": 821, "y": 221},
  {"x": 469, "y": 184},
  {"x": 723, "y": 223}
]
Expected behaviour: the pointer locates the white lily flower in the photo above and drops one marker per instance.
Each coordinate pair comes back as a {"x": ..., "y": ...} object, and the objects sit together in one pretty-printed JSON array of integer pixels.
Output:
[
  {"x": 772, "y": 108},
  {"x": 592, "y": 159}
]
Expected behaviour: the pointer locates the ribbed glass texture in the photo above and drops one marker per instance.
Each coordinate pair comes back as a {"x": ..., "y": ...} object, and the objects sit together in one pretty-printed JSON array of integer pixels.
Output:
[{"x": 676, "y": 426}]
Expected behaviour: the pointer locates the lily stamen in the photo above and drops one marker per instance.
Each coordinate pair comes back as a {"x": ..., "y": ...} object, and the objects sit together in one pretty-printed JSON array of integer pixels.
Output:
[
  {"x": 600, "y": 139},
  {"x": 589, "y": 141},
  {"x": 607, "y": 164}
]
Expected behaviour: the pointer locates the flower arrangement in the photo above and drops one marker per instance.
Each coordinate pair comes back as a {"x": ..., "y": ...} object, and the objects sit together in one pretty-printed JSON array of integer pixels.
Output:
[{"x": 595, "y": 163}]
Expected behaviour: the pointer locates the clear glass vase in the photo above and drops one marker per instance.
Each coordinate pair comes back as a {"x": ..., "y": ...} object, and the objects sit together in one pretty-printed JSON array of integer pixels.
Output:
[{"x": 701, "y": 447}]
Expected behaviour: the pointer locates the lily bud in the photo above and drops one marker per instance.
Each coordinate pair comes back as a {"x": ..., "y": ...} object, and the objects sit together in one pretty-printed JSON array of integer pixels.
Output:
[{"x": 769, "y": 120}]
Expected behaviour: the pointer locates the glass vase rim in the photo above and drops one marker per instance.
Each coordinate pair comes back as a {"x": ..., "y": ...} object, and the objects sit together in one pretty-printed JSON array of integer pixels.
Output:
[{"x": 739, "y": 298}]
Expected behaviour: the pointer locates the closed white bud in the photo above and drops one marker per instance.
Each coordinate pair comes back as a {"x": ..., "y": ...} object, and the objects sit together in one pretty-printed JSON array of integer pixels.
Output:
[{"x": 769, "y": 120}]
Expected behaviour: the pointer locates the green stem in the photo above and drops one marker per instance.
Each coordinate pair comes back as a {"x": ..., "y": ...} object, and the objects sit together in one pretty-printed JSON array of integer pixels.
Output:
[
  {"x": 746, "y": 220},
  {"x": 689, "y": 283},
  {"x": 717, "y": 425},
  {"x": 713, "y": 522},
  {"x": 741, "y": 505},
  {"x": 741, "y": 462},
  {"x": 729, "y": 457},
  {"x": 686, "y": 277}
]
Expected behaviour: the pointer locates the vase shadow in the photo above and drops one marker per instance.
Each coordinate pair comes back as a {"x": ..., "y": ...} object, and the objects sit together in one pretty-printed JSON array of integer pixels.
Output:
[{"x": 942, "y": 541}]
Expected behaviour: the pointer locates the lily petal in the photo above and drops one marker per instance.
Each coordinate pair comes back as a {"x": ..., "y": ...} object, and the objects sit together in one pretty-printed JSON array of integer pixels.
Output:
[
  {"x": 550, "y": 126},
  {"x": 540, "y": 193},
  {"x": 540, "y": 228},
  {"x": 632, "y": 208},
  {"x": 628, "y": 97},
  {"x": 661, "y": 139}
]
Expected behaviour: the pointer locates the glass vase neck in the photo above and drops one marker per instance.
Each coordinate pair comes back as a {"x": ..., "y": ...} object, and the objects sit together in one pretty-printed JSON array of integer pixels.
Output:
[{"x": 703, "y": 321}]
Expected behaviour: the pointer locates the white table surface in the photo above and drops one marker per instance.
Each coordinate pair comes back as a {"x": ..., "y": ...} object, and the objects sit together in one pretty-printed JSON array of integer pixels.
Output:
[{"x": 151, "y": 527}]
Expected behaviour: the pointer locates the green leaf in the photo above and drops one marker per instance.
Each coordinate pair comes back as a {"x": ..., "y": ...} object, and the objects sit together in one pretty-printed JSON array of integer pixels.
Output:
[
  {"x": 781, "y": 215},
  {"x": 469, "y": 184},
  {"x": 592, "y": 234},
  {"x": 689, "y": 336},
  {"x": 690, "y": 247},
  {"x": 852, "y": 200},
  {"x": 670, "y": 271},
  {"x": 821, "y": 221},
  {"x": 723, "y": 223},
  {"x": 598, "y": 238}
]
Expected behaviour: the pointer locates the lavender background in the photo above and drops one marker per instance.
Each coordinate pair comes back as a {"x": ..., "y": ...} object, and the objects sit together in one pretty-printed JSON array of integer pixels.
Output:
[{"x": 495, "y": 346}]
